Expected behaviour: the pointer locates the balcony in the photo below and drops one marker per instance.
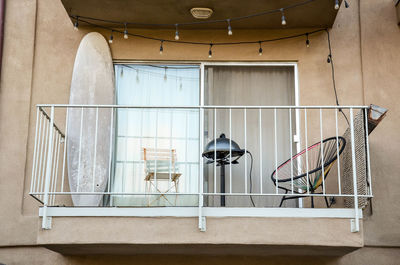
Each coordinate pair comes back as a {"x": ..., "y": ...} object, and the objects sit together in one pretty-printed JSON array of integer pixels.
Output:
[{"x": 298, "y": 169}]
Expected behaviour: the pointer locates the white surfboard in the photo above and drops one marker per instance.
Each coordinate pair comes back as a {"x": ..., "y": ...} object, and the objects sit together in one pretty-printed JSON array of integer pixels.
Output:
[{"x": 92, "y": 83}]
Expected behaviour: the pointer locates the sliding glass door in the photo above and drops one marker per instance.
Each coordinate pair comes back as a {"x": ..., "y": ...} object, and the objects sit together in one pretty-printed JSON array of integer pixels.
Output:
[{"x": 247, "y": 85}]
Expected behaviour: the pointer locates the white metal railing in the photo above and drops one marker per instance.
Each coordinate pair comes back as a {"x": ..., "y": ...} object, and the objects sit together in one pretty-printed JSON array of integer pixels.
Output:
[{"x": 272, "y": 134}]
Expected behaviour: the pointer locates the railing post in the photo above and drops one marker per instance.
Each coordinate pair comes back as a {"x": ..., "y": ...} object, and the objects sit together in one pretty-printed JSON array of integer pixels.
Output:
[
  {"x": 202, "y": 219},
  {"x": 355, "y": 223},
  {"x": 46, "y": 221}
]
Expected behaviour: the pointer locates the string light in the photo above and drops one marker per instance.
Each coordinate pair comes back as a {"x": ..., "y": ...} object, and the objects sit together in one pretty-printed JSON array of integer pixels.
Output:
[
  {"x": 161, "y": 47},
  {"x": 176, "y": 32},
  {"x": 210, "y": 51},
  {"x": 283, "y": 17},
  {"x": 329, "y": 58},
  {"x": 126, "y": 32},
  {"x": 260, "y": 51},
  {"x": 346, "y": 4},
  {"x": 307, "y": 41},
  {"x": 76, "y": 24},
  {"x": 113, "y": 30},
  {"x": 229, "y": 27},
  {"x": 111, "y": 37},
  {"x": 336, "y": 4}
]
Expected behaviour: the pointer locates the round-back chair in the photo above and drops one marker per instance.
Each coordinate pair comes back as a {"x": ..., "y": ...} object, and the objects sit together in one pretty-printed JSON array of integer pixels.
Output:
[{"x": 304, "y": 172}]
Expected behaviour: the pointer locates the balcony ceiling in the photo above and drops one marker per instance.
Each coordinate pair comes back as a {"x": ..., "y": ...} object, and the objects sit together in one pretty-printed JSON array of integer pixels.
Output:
[{"x": 316, "y": 14}]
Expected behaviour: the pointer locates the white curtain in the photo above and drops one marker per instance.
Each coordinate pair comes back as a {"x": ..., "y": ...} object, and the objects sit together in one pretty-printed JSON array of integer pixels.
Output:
[
  {"x": 255, "y": 85},
  {"x": 145, "y": 85}
]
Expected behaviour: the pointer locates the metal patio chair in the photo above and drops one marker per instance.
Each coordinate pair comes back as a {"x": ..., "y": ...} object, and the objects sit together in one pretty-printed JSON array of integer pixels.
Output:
[{"x": 294, "y": 174}]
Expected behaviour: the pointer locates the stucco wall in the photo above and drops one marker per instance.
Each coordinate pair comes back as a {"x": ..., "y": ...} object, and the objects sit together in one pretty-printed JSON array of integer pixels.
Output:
[{"x": 39, "y": 52}]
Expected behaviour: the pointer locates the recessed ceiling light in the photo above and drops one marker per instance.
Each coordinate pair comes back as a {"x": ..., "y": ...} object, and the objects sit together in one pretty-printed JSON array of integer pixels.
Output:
[{"x": 201, "y": 12}]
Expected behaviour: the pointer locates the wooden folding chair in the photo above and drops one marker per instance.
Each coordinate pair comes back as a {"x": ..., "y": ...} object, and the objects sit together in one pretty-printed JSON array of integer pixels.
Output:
[{"x": 160, "y": 165}]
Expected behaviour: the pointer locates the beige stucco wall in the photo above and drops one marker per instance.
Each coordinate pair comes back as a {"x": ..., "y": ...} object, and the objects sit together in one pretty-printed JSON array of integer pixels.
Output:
[{"x": 39, "y": 52}]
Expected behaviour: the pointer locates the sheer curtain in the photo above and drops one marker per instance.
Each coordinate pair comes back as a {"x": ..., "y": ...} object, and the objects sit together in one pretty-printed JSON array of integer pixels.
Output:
[
  {"x": 146, "y": 85},
  {"x": 254, "y": 85}
]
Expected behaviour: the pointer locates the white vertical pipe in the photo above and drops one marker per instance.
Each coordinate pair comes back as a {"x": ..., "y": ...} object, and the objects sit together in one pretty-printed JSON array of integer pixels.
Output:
[
  {"x": 291, "y": 145},
  {"x": 156, "y": 156},
  {"x": 276, "y": 154},
  {"x": 56, "y": 173},
  {"x": 322, "y": 152},
  {"x": 230, "y": 150},
  {"x": 187, "y": 166},
  {"x": 201, "y": 144},
  {"x": 80, "y": 152},
  {"x": 52, "y": 180},
  {"x": 45, "y": 224},
  {"x": 367, "y": 147},
  {"x": 124, "y": 174},
  {"x": 353, "y": 159},
  {"x": 170, "y": 150},
  {"x": 337, "y": 152},
  {"x": 215, "y": 151},
  {"x": 245, "y": 149},
  {"x": 306, "y": 141},
  {"x": 34, "y": 151},
  {"x": 95, "y": 149},
  {"x": 201, "y": 161},
  {"x": 110, "y": 152},
  {"x": 261, "y": 153},
  {"x": 65, "y": 149},
  {"x": 45, "y": 153},
  {"x": 39, "y": 155}
]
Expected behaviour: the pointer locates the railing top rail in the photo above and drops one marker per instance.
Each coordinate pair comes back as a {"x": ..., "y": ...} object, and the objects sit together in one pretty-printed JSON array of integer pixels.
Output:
[{"x": 197, "y": 107}]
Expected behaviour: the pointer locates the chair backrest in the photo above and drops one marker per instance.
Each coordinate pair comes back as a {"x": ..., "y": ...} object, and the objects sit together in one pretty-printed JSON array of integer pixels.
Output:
[
  {"x": 326, "y": 151},
  {"x": 159, "y": 160}
]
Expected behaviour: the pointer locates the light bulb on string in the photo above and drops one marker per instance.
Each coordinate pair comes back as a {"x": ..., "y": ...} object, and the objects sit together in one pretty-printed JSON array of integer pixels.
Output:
[
  {"x": 260, "y": 50},
  {"x": 111, "y": 37},
  {"x": 336, "y": 4},
  {"x": 137, "y": 76},
  {"x": 176, "y": 32},
  {"x": 329, "y": 58},
  {"x": 76, "y": 24},
  {"x": 126, "y": 32},
  {"x": 307, "y": 41},
  {"x": 161, "y": 47},
  {"x": 283, "y": 17},
  {"x": 229, "y": 27},
  {"x": 210, "y": 51},
  {"x": 346, "y": 4}
]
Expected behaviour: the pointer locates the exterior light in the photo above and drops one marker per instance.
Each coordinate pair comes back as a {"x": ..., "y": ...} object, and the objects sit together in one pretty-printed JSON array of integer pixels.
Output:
[
  {"x": 126, "y": 32},
  {"x": 229, "y": 28},
  {"x": 76, "y": 24},
  {"x": 210, "y": 51},
  {"x": 111, "y": 38},
  {"x": 346, "y": 4},
  {"x": 283, "y": 17},
  {"x": 307, "y": 41},
  {"x": 260, "y": 50},
  {"x": 336, "y": 4},
  {"x": 161, "y": 47},
  {"x": 176, "y": 32}
]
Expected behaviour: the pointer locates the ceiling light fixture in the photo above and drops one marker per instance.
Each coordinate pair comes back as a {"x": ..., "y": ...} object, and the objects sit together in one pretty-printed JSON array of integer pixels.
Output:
[{"x": 201, "y": 12}]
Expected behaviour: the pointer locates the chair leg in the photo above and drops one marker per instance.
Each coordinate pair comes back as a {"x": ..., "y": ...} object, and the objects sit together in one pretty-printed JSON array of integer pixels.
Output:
[
  {"x": 283, "y": 198},
  {"x": 327, "y": 203}
]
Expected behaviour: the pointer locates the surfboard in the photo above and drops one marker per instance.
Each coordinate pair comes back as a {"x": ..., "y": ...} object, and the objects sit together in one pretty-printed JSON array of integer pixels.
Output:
[{"x": 88, "y": 155}]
